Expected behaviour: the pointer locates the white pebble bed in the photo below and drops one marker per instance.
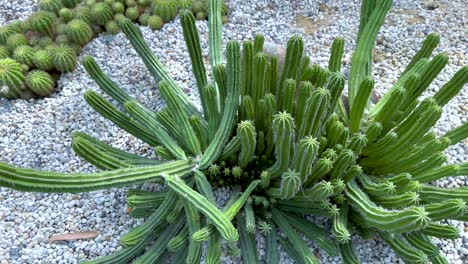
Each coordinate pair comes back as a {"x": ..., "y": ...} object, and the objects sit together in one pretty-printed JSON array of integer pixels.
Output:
[{"x": 37, "y": 133}]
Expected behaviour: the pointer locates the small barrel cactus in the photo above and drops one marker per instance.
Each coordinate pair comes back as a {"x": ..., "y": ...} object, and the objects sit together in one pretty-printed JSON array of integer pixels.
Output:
[
  {"x": 130, "y": 3},
  {"x": 144, "y": 3},
  {"x": 79, "y": 31},
  {"x": 4, "y": 53},
  {"x": 42, "y": 60},
  {"x": 53, "y": 6},
  {"x": 40, "y": 82},
  {"x": 41, "y": 22},
  {"x": 66, "y": 14},
  {"x": 185, "y": 4},
  {"x": 7, "y": 31},
  {"x": 16, "y": 40},
  {"x": 132, "y": 13},
  {"x": 166, "y": 9},
  {"x": 64, "y": 58},
  {"x": 198, "y": 6},
  {"x": 62, "y": 40},
  {"x": 143, "y": 19},
  {"x": 70, "y": 3},
  {"x": 11, "y": 78},
  {"x": 112, "y": 27},
  {"x": 101, "y": 13},
  {"x": 44, "y": 41},
  {"x": 24, "y": 54},
  {"x": 155, "y": 22},
  {"x": 83, "y": 13},
  {"x": 118, "y": 8}
]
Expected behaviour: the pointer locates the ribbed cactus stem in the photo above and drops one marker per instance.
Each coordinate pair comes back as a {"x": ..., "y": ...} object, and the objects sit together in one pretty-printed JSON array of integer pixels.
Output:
[
  {"x": 305, "y": 90},
  {"x": 219, "y": 72},
  {"x": 405, "y": 251},
  {"x": 344, "y": 160},
  {"x": 448, "y": 209},
  {"x": 215, "y": 31},
  {"x": 314, "y": 113},
  {"x": 248, "y": 62},
  {"x": 373, "y": 131},
  {"x": 321, "y": 167},
  {"x": 422, "y": 242},
  {"x": 283, "y": 129},
  {"x": 397, "y": 201},
  {"x": 357, "y": 143},
  {"x": 452, "y": 87},
  {"x": 340, "y": 225},
  {"x": 441, "y": 231},
  {"x": 272, "y": 75},
  {"x": 259, "y": 40},
  {"x": 259, "y": 76},
  {"x": 336, "y": 55},
  {"x": 249, "y": 219},
  {"x": 353, "y": 172},
  {"x": 179, "y": 241},
  {"x": 247, "y": 135},
  {"x": 428, "y": 46},
  {"x": 289, "y": 90},
  {"x": 457, "y": 134},
  {"x": 304, "y": 157},
  {"x": 210, "y": 109},
  {"x": 388, "y": 111},
  {"x": 294, "y": 51},
  {"x": 247, "y": 108},
  {"x": 289, "y": 186},
  {"x": 335, "y": 86},
  {"x": 359, "y": 104}
]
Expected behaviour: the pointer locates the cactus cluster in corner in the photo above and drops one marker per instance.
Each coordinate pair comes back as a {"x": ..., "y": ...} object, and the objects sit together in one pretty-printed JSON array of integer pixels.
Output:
[
  {"x": 286, "y": 143},
  {"x": 63, "y": 25}
]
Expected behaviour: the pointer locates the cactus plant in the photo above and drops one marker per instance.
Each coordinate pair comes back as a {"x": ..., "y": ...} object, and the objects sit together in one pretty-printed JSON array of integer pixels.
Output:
[
  {"x": 24, "y": 55},
  {"x": 132, "y": 13},
  {"x": 16, "y": 40},
  {"x": 166, "y": 9},
  {"x": 365, "y": 169},
  {"x": 185, "y": 4},
  {"x": 40, "y": 82},
  {"x": 11, "y": 78},
  {"x": 66, "y": 14},
  {"x": 42, "y": 60},
  {"x": 53, "y": 6},
  {"x": 112, "y": 27},
  {"x": 4, "y": 53},
  {"x": 70, "y": 3},
  {"x": 155, "y": 22},
  {"x": 41, "y": 22},
  {"x": 101, "y": 13},
  {"x": 79, "y": 31},
  {"x": 63, "y": 58}
]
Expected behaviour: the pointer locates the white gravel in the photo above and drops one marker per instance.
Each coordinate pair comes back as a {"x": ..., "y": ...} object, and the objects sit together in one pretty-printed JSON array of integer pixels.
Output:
[{"x": 37, "y": 133}]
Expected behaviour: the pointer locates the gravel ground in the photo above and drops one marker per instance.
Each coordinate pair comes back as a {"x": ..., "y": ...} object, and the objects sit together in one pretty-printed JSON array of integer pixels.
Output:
[{"x": 37, "y": 133}]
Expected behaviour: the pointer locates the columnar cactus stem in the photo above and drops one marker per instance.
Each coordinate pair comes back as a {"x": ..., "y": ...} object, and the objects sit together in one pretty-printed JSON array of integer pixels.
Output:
[
  {"x": 314, "y": 113},
  {"x": 211, "y": 109},
  {"x": 247, "y": 135},
  {"x": 247, "y": 240},
  {"x": 336, "y": 55},
  {"x": 405, "y": 251},
  {"x": 339, "y": 225},
  {"x": 294, "y": 55},
  {"x": 259, "y": 77},
  {"x": 452, "y": 87},
  {"x": 428, "y": 46},
  {"x": 283, "y": 129},
  {"x": 359, "y": 105}
]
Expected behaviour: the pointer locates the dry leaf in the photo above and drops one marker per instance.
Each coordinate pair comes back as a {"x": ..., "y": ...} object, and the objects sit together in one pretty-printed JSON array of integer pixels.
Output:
[{"x": 73, "y": 236}]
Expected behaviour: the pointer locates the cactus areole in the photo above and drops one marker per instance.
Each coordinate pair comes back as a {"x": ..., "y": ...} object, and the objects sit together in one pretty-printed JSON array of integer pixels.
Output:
[{"x": 365, "y": 167}]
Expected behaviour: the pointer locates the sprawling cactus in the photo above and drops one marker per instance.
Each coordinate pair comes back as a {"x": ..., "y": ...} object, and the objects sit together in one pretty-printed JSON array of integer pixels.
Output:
[
  {"x": 366, "y": 168},
  {"x": 40, "y": 82}
]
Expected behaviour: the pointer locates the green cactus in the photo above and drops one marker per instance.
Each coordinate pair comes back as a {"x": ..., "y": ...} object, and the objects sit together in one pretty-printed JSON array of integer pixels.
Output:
[
  {"x": 101, "y": 13},
  {"x": 53, "y": 6},
  {"x": 132, "y": 13},
  {"x": 15, "y": 40},
  {"x": 66, "y": 14},
  {"x": 24, "y": 55},
  {"x": 118, "y": 8},
  {"x": 40, "y": 82},
  {"x": 166, "y": 9},
  {"x": 155, "y": 22},
  {"x": 83, "y": 13},
  {"x": 112, "y": 27},
  {"x": 6, "y": 31},
  {"x": 185, "y": 4},
  {"x": 42, "y": 60},
  {"x": 64, "y": 58},
  {"x": 11, "y": 78},
  {"x": 70, "y": 3},
  {"x": 144, "y": 19},
  {"x": 4, "y": 53},
  {"x": 79, "y": 31},
  {"x": 42, "y": 22}
]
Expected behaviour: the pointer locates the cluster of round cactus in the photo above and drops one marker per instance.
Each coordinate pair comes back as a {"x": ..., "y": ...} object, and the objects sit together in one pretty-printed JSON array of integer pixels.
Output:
[{"x": 48, "y": 42}]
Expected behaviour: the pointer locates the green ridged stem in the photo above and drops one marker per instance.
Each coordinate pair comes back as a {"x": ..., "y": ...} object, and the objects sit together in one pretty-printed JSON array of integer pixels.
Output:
[
  {"x": 434, "y": 160},
  {"x": 314, "y": 113},
  {"x": 431, "y": 194},
  {"x": 247, "y": 241},
  {"x": 321, "y": 167},
  {"x": 438, "y": 259},
  {"x": 95, "y": 156},
  {"x": 335, "y": 85},
  {"x": 398, "y": 201},
  {"x": 357, "y": 143},
  {"x": 344, "y": 160},
  {"x": 192, "y": 41},
  {"x": 448, "y": 209},
  {"x": 261, "y": 117},
  {"x": 374, "y": 149},
  {"x": 353, "y": 172},
  {"x": 259, "y": 76},
  {"x": 388, "y": 111},
  {"x": 194, "y": 251},
  {"x": 79, "y": 31},
  {"x": 157, "y": 70},
  {"x": 231, "y": 211},
  {"x": 140, "y": 198},
  {"x": 304, "y": 157},
  {"x": 250, "y": 225},
  {"x": 377, "y": 188},
  {"x": 294, "y": 53},
  {"x": 219, "y": 73},
  {"x": 272, "y": 75},
  {"x": 23, "y": 55},
  {"x": 259, "y": 40},
  {"x": 247, "y": 108},
  {"x": 409, "y": 219},
  {"x": 271, "y": 245},
  {"x": 64, "y": 58},
  {"x": 213, "y": 253},
  {"x": 305, "y": 90},
  {"x": 405, "y": 251},
  {"x": 340, "y": 225},
  {"x": 441, "y": 231},
  {"x": 422, "y": 242},
  {"x": 336, "y": 55},
  {"x": 231, "y": 148},
  {"x": 210, "y": 109},
  {"x": 318, "y": 192},
  {"x": 101, "y": 13},
  {"x": 283, "y": 129},
  {"x": 452, "y": 87},
  {"x": 204, "y": 186},
  {"x": 373, "y": 131},
  {"x": 359, "y": 104},
  {"x": 347, "y": 253},
  {"x": 51, "y": 5},
  {"x": 335, "y": 133},
  {"x": 247, "y": 67},
  {"x": 361, "y": 59},
  {"x": 232, "y": 101},
  {"x": 219, "y": 220},
  {"x": 158, "y": 248},
  {"x": 177, "y": 110},
  {"x": 42, "y": 22},
  {"x": 215, "y": 31},
  {"x": 289, "y": 186},
  {"x": 179, "y": 241},
  {"x": 438, "y": 173},
  {"x": 289, "y": 90},
  {"x": 164, "y": 117},
  {"x": 200, "y": 129},
  {"x": 107, "y": 110},
  {"x": 428, "y": 46},
  {"x": 457, "y": 134},
  {"x": 305, "y": 254},
  {"x": 247, "y": 135},
  {"x": 148, "y": 120}
]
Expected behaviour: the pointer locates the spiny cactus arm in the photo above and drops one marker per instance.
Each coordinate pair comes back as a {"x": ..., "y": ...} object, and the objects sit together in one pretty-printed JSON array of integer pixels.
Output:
[
  {"x": 158, "y": 248},
  {"x": 361, "y": 59},
  {"x": 204, "y": 186},
  {"x": 259, "y": 41},
  {"x": 283, "y": 129},
  {"x": 194, "y": 251},
  {"x": 232, "y": 101},
  {"x": 291, "y": 250},
  {"x": 340, "y": 225},
  {"x": 398, "y": 201},
  {"x": 294, "y": 51},
  {"x": 441, "y": 172},
  {"x": 219, "y": 73},
  {"x": 247, "y": 108},
  {"x": 152, "y": 223},
  {"x": 458, "y": 134},
  {"x": 210, "y": 109},
  {"x": 431, "y": 194},
  {"x": 247, "y": 135},
  {"x": 177, "y": 110},
  {"x": 342, "y": 163},
  {"x": 409, "y": 219},
  {"x": 438, "y": 259},
  {"x": 39, "y": 181},
  {"x": 377, "y": 188},
  {"x": 359, "y": 104},
  {"x": 179, "y": 240},
  {"x": 127, "y": 254},
  {"x": 167, "y": 121},
  {"x": 214, "y": 250},
  {"x": 272, "y": 75},
  {"x": 405, "y": 251},
  {"x": 141, "y": 198},
  {"x": 441, "y": 231},
  {"x": 192, "y": 41},
  {"x": 104, "y": 82},
  {"x": 448, "y": 209},
  {"x": 422, "y": 242},
  {"x": 305, "y": 156},
  {"x": 157, "y": 70},
  {"x": 313, "y": 232},
  {"x": 95, "y": 156},
  {"x": 347, "y": 253},
  {"x": 314, "y": 113},
  {"x": 219, "y": 220},
  {"x": 335, "y": 86},
  {"x": 148, "y": 119},
  {"x": 318, "y": 192},
  {"x": 107, "y": 110},
  {"x": 428, "y": 46},
  {"x": 452, "y": 87},
  {"x": 259, "y": 76},
  {"x": 215, "y": 31},
  {"x": 320, "y": 168},
  {"x": 336, "y": 55},
  {"x": 282, "y": 222},
  {"x": 231, "y": 148},
  {"x": 249, "y": 218},
  {"x": 248, "y": 244},
  {"x": 247, "y": 67},
  {"x": 271, "y": 244},
  {"x": 305, "y": 90},
  {"x": 289, "y": 93},
  {"x": 201, "y": 130}
]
